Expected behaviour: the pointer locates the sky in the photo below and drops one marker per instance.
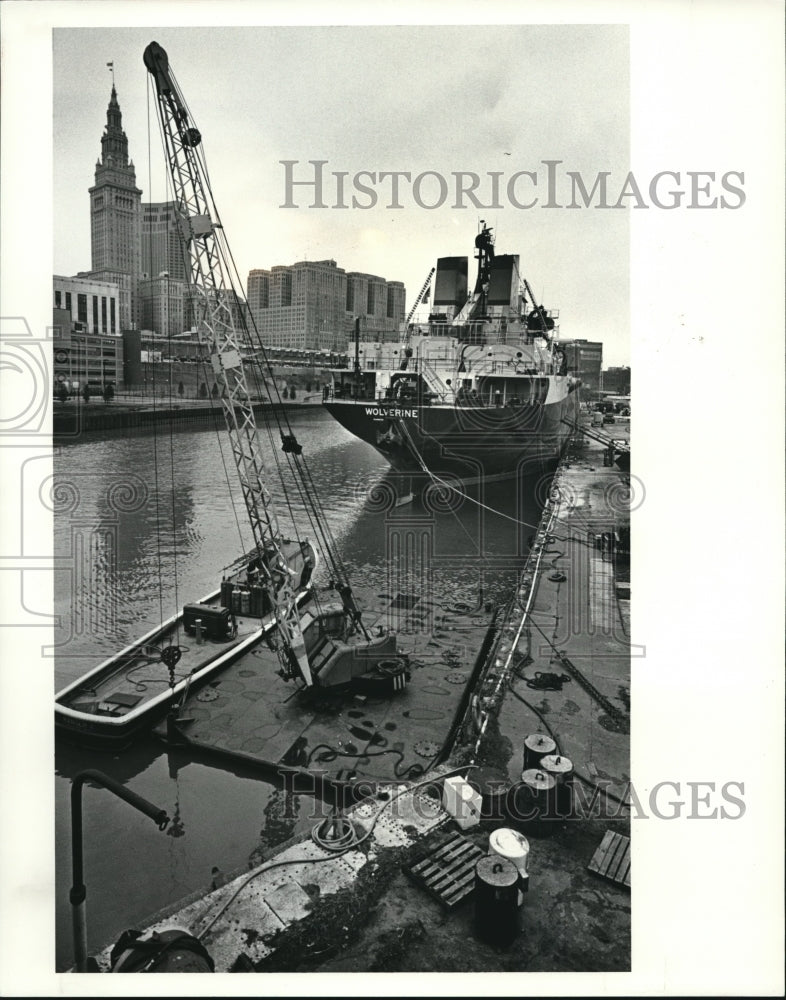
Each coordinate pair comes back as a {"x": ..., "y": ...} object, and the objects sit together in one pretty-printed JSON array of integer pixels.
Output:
[{"x": 419, "y": 99}]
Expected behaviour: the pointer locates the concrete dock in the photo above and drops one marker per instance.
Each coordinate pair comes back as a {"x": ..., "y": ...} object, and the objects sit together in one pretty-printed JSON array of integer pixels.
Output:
[{"x": 560, "y": 667}]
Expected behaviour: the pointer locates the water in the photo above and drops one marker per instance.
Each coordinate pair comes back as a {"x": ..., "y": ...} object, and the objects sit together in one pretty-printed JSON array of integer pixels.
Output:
[{"x": 135, "y": 550}]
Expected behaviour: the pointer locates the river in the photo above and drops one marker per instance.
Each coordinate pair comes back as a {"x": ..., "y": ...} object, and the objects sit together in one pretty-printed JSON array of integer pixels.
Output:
[{"x": 144, "y": 523}]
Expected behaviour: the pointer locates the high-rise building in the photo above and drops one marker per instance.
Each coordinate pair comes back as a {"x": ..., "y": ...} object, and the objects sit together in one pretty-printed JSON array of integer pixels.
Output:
[
  {"x": 301, "y": 306},
  {"x": 312, "y": 305},
  {"x": 163, "y": 246},
  {"x": 378, "y": 303},
  {"x": 165, "y": 305},
  {"x": 116, "y": 217}
]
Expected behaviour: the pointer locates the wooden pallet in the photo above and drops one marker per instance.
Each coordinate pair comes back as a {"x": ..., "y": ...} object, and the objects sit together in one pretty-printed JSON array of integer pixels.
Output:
[
  {"x": 612, "y": 858},
  {"x": 447, "y": 870}
]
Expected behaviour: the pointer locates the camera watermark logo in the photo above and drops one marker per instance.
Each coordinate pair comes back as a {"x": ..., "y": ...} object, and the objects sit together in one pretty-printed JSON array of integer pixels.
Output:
[{"x": 24, "y": 370}]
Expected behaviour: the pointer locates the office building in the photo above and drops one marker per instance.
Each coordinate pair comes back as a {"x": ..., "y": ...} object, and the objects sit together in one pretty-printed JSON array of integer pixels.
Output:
[
  {"x": 165, "y": 305},
  {"x": 93, "y": 306},
  {"x": 163, "y": 246},
  {"x": 312, "y": 305}
]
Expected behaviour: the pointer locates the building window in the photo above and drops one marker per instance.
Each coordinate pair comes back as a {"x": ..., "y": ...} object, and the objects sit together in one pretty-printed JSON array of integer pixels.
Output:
[
  {"x": 68, "y": 301},
  {"x": 103, "y": 314},
  {"x": 370, "y": 300},
  {"x": 112, "y": 327},
  {"x": 350, "y": 295},
  {"x": 95, "y": 314},
  {"x": 57, "y": 298},
  {"x": 81, "y": 308},
  {"x": 286, "y": 289},
  {"x": 391, "y": 302}
]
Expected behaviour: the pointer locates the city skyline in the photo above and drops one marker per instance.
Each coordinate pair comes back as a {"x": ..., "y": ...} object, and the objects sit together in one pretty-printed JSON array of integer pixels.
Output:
[{"x": 577, "y": 262}]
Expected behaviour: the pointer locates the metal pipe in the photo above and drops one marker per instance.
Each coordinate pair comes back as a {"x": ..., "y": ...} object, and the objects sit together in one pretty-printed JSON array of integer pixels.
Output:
[{"x": 78, "y": 893}]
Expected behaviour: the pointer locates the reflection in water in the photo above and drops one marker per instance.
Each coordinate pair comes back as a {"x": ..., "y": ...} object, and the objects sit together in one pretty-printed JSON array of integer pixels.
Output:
[{"x": 133, "y": 549}]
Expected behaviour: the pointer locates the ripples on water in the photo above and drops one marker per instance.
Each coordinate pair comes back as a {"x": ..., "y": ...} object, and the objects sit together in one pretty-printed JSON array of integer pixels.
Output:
[{"x": 135, "y": 549}]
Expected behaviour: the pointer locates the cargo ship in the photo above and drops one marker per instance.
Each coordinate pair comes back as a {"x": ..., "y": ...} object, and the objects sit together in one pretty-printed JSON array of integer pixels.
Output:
[{"x": 480, "y": 391}]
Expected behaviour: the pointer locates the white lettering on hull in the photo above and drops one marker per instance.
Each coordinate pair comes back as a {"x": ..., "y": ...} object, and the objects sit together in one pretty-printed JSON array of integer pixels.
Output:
[{"x": 378, "y": 411}]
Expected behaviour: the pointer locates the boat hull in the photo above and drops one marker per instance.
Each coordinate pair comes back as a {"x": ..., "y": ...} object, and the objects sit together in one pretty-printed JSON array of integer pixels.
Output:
[
  {"x": 472, "y": 443},
  {"x": 107, "y": 732},
  {"x": 111, "y": 705}
]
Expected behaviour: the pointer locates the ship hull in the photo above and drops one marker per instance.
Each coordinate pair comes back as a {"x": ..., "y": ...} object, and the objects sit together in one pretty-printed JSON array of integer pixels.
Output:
[{"x": 472, "y": 443}]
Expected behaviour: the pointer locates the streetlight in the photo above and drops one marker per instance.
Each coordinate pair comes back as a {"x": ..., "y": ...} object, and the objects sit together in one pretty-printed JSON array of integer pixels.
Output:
[{"x": 78, "y": 894}]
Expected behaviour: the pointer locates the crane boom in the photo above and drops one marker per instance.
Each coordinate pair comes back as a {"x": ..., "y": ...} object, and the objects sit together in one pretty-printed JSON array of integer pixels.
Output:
[
  {"x": 215, "y": 308},
  {"x": 419, "y": 298}
]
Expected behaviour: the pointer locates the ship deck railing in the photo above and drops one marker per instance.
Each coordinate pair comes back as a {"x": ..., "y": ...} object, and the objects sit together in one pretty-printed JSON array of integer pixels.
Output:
[
  {"x": 489, "y": 334},
  {"x": 462, "y": 400}
]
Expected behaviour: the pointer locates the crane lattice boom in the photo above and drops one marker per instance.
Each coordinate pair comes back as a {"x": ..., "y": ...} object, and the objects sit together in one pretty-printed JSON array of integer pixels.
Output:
[{"x": 215, "y": 309}]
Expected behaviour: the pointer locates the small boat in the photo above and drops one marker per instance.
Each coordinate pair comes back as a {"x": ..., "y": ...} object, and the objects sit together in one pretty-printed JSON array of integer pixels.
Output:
[{"x": 114, "y": 702}]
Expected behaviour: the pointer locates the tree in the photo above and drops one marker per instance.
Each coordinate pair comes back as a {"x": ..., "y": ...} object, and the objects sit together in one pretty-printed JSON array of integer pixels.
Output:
[
  {"x": 203, "y": 391},
  {"x": 62, "y": 392},
  {"x": 292, "y": 392},
  {"x": 86, "y": 393},
  {"x": 109, "y": 392},
  {"x": 181, "y": 389}
]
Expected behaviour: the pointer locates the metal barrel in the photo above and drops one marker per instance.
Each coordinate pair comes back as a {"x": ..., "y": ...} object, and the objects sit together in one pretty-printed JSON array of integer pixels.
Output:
[
  {"x": 561, "y": 769},
  {"x": 496, "y": 900},
  {"x": 513, "y": 846},
  {"x": 533, "y": 804},
  {"x": 537, "y": 745}
]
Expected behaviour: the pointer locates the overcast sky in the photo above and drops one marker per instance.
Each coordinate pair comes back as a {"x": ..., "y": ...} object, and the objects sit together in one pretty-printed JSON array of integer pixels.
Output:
[{"x": 415, "y": 99}]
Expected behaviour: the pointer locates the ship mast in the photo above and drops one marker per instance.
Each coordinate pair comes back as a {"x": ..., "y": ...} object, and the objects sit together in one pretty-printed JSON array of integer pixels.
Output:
[{"x": 215, "y": 306}]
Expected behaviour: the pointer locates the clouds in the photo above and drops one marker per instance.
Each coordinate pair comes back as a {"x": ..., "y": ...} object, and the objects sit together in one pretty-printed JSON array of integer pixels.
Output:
[{"x": 436, "y": 98}]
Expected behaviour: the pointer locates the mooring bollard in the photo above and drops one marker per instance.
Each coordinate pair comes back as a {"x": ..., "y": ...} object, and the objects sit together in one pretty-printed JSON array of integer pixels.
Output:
[
  {"x": 537, "y": 745},
  {"x": 561, "y": 769},
  {"x": 513, "y": 846},
  {"x": 496, "y": 900}
]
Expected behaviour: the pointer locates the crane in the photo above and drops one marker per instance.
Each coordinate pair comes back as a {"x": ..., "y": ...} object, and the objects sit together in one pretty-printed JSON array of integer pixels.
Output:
[
  {"x": 420, "y": 295},
  {"x": 210, "y": 268}
]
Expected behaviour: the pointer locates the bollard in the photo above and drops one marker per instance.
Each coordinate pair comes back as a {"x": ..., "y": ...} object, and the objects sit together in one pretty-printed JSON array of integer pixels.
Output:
[
  {"x": 533, "y": 803},
  {"x": 496, "y": 901},
  {"x": 537, "y": 745},
  {"x": 561, "y": 769},
  {"x": 514, "y": 847}
]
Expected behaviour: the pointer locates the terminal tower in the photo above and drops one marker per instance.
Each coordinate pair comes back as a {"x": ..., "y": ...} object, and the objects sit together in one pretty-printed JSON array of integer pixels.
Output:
[{"x": 116, "y": 217}]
